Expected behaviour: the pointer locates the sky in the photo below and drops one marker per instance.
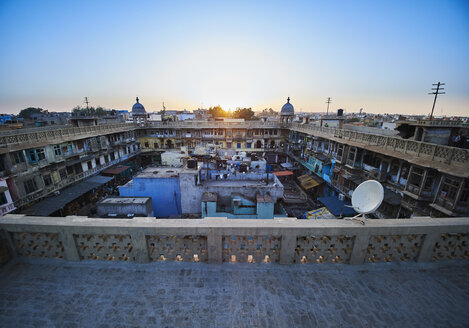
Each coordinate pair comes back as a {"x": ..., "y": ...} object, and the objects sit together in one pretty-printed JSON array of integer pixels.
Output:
[{"x": 382, "y": 56}]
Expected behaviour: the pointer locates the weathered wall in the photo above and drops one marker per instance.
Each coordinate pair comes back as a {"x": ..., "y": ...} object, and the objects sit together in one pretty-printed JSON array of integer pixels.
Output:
[
  {"x": 164, "y": 192},
  {"x": 191, "y": 192}
]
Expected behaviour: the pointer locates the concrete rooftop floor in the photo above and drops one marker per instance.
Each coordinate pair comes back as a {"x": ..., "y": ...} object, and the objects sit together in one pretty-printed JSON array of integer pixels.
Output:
[{"x": 48, "y": 293}]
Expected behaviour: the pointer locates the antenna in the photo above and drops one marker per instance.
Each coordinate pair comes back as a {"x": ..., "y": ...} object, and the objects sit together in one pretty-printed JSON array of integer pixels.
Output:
[
  {"x": 366, "y": 198},
  {"x": 436, "y": 92},
  {"x": 328, "y": 101},
  {"x": 86, "y": 102}
]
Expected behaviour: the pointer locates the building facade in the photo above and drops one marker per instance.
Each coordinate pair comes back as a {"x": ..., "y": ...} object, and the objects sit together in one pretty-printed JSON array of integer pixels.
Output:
[{"x": 420, "y": 178}]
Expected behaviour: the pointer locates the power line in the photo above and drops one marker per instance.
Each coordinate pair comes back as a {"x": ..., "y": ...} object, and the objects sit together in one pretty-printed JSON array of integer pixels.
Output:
[
  {"x": 436, "y": 92},
  {"x": 328, "y": 101}
]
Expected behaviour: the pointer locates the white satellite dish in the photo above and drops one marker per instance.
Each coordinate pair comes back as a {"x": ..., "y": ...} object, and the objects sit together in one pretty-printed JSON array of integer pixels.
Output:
[{"x": 366, "y": 198}]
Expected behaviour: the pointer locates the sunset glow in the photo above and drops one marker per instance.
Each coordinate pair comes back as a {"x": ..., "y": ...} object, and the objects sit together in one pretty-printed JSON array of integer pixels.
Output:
[{"x": 379, "y": 56}]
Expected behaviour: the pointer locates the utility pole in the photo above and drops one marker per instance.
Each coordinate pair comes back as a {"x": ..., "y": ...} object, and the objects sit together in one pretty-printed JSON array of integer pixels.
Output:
[
  {"x": 86, "y": 102},
  {"x": 328, "y": 101},
  {"x": 436, "y": 91}
]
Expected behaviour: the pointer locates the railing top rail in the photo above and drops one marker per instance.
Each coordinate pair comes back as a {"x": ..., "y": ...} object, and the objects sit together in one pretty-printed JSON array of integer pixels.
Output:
[
  {"x": 255, "y": 225},
  {"x": 62, "y": 128}
]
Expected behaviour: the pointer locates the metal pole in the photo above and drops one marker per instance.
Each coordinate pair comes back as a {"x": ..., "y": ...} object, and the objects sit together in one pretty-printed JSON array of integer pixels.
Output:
[
  {"x": 328, "y": 101},
  {"x": 436, "y": 93}
]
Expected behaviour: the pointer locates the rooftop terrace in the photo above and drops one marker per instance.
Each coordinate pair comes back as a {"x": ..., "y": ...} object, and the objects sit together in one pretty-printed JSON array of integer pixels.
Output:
[
  {"x": 56, "y": 293},
  {"x": 227, "y": 273}
]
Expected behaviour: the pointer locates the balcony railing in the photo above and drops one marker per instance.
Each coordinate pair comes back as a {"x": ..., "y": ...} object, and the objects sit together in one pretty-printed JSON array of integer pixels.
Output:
[
  {"x": 446, "y": 155},
  {"x": 27, "y": 138},
  {"x": 216, "y": 240}
]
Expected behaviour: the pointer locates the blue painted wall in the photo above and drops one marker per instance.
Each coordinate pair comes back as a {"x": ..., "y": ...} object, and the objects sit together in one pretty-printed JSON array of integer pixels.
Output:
[{"x": 164, "y": 192}]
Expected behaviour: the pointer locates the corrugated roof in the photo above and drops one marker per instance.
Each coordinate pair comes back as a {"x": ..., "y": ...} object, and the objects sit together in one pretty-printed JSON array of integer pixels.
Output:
[
  {"x": 307, "y": 182},
  {"x": 304, "y": 177},
  {"x": 116, "y": 170},
  {"x": 337, "y": 206},
  {"x": 67, "y": 195},
  {"x": 283, "y": 173}
]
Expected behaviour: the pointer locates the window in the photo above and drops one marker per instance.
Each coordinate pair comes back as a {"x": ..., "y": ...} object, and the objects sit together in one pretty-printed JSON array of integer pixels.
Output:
[
  {"x": 416, "y": 176},
  {"x": 57, "y": 150},
  {"x": 450, "y": 188},
  {"x": 47, "y": 180},
  {"x": 70, "y": 170},
  {"x": 40, "y": 154},
  {"x": 32, "y": 156},
  {"x": 62, "y": 173},
  {"x": 18, "y": 157},
  {"x": 465, "y": 194},
  {"x": 340, "y": 152},
  {"x": 429, "y": 181},
  {"x": 30, "y": 186},
  {"x": 238, "y": 145},
  {"x": 80, "y": 144},
  {"x": 3, "y": 199},
  {"x": 351, "y": 155},
  {"x": 146, "y": 145},
  {"x": 248, "y": 145}
]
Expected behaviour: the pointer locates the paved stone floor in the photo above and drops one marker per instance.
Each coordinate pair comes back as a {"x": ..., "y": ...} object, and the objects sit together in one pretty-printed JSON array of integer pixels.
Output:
[{"x": 48, "y": 293}]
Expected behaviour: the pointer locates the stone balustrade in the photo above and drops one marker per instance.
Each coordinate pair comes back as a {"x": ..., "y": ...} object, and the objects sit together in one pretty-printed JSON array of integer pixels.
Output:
[
  {"x": 28, "y": 138},
  {"x": 443, "y": 157},
  {"x": 217, "y": 240},
  {"x": 216, "y": 125}
]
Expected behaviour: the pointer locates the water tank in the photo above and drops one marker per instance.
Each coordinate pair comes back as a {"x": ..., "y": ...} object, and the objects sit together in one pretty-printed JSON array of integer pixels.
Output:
[
  {"x": 243, "y": 167},
  {"x": 192, "y": 164},
  {"x": 340, "y": 112}
]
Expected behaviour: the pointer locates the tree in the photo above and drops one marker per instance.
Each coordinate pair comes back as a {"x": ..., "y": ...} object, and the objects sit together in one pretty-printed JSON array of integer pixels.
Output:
[
  {"x": 246, "y": 113},
  {"x": 90, "y": 111},
  {"x": 268, "y": 112},
  {"x": 27, "y": 112},
  {"x": 217, "y": 111}
]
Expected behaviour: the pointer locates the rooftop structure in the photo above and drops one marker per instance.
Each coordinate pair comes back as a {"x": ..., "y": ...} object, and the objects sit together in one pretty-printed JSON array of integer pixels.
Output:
[{"x": 125, "y": 207}]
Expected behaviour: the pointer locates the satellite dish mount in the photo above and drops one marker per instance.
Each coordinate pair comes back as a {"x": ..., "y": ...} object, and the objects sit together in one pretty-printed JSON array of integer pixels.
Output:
[{"x": 366, "y": 198}]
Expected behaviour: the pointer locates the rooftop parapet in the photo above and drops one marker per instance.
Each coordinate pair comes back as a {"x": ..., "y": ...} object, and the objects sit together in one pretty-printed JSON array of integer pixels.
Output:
[{"x": 216, "y": 240}]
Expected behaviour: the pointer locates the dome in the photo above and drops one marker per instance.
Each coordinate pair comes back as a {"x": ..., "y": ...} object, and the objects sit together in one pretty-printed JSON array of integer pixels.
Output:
[
  {"x": 287, "y": 109},
  {"x": 138, "y": 108}
]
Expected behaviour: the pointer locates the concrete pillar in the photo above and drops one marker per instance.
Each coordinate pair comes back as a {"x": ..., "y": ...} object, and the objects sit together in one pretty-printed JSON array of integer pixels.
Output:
[
  {"x": 215, "y": 246},
  {"x": 70, "y": 248},
  {"x": 287, "y": 247},
  {"x": 140, "y": 249},
  {"x": 359, "y": 248},
  {"x": 5, "y": 235},
  {"x": 426, "y": 250},
  {"x": 422, "y": 182}
]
